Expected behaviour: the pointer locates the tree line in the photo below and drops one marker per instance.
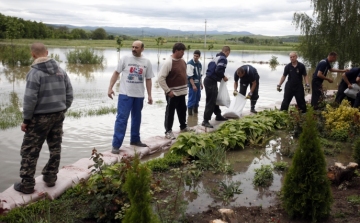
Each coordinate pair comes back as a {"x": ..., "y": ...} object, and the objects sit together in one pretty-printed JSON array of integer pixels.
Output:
[{"x": 16, "y": 28}]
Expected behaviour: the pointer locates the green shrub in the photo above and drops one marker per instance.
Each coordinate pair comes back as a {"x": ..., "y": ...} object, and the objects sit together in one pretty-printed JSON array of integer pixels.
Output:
[
  {"x": 137, "y": 187},
  {"x": 306, "y": 191},
  {"x": 165, "y": 163},
  {"x": 281, "y": 166},
  {"x": 263, "y": 176},
  {"x": 15, "y": 54},
  {"x": 84, "y": 56},
  {"x": 213, "y": 159},
  {"x": 356, "y": 151}
]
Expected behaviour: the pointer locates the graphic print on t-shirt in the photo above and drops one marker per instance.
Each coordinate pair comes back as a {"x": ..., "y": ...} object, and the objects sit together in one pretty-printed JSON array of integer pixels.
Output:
[{"x": 135, "y": 74}]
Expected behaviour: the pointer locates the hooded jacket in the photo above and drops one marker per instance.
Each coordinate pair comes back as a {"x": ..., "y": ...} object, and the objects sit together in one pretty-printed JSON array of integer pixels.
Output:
[
  {"x": 48, "y": 89},
  {"x": 216, "y": 67}
]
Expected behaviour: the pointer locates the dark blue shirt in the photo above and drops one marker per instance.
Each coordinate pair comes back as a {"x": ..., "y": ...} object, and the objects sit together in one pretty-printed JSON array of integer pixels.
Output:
[
  {"x": 250, "y": 75},
  {"x": 353, "y": 74},
  {"x": 295, "y": 74},
  {"x": 216, "y": 67},
  {"x": 323, "y": 66}
]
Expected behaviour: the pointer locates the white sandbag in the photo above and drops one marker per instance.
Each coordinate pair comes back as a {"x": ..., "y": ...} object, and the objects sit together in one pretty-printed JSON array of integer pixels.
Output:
[
  {"x": 236, "y": 107},
  {"x": 223, "y": 98},
  {"x": 353, "y": 91}
]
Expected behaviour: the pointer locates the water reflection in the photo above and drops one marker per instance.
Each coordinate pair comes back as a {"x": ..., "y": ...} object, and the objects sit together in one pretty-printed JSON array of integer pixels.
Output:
[
  {"x": 15, "y": 74},
  {"x": 85, "y": 70}
]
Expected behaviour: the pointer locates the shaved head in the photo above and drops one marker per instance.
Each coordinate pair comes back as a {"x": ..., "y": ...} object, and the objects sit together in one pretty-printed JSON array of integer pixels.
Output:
[{"x": 38, "y": 50}]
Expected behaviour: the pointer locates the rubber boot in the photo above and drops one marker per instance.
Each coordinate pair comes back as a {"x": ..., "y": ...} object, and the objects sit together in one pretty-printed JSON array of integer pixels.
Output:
[
  {"x": 196, "y": 110},
  {"x": 190, "y": 111},
  {"x": 252, "y": 104}
]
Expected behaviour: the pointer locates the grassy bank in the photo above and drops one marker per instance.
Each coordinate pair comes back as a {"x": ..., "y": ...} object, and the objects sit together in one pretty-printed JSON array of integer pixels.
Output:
[{"x": 151, "y": 43}]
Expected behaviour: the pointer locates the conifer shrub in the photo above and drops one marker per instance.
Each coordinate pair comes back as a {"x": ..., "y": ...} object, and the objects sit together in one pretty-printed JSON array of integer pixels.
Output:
[
  {"x": 137, "y": 187},
  {"x": 306, "y": 191}
]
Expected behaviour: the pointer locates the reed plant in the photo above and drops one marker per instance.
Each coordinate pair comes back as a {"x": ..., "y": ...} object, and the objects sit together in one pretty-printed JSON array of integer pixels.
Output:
[{"x": 84, "y": 56}]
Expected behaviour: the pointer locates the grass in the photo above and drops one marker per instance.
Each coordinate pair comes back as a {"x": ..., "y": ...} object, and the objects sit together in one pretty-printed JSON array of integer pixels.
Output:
[
  {"x": 151, "y": 43},
  {"x": 92, "y": 112}
]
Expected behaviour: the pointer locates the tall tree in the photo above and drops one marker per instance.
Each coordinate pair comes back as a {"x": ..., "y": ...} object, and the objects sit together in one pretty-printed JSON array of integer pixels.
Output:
[
  {"x": 334, "y": 26},
  {"x": 99, "y": 33}
]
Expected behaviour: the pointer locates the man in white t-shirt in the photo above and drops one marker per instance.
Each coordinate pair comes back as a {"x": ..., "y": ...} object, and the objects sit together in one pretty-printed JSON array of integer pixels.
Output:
[{"x": 135, "y": 70}]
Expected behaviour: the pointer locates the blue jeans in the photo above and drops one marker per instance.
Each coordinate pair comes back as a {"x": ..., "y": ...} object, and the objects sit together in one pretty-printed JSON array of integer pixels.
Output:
[
  {"x": 194, "y": 96},
  {"x": 125, "y": 106}
]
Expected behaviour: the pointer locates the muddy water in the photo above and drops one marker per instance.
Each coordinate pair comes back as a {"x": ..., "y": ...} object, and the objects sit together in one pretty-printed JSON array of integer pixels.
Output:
[{"x": 90, "y": 85}]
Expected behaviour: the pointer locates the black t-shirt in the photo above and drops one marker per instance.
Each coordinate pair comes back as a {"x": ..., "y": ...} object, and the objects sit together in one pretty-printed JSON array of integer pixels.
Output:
[
  {"x": 295, "y": 74},
  {"x": 250, "y": 76},
  {"x": 323, "y": 66},
  {"x": 353, "y": 74}
]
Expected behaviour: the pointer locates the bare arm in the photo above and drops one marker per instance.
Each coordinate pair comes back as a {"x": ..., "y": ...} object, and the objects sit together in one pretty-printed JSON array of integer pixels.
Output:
[
  {"x": 282, "y": 79},
  {"x": 322, "y": 76},
  {"x": 253, "y": 87},
  {"x": 113, "y": 80},
  {"x": 148, "y": 89},
  {"x": 236, "y": 86},
  {"x": 346, "y": 80},
  {"x": 193, "y": 84},
  {"x": 306, "y": 79}
]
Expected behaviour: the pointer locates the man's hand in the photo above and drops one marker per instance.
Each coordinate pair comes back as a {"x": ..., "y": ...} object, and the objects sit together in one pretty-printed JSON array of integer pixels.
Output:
[
  {"x": 225, "y": 79},
  {"x": 24, "y": 127},
  {"x": 235, "y": 93},
  {"x": 350, "y": 86},
  {"x": 249, "y": 95},
  {"x": 330, "y": 80},
  {"x": 170, "y": 94},
  {"x": 194, "y": 87},
  {"x": 150, "y": 100},
  {"x": 307, "y": 88},
  {"x": 201, "y": 86},
  {"x": 111, "y": 93},
  {"x": 279, "y": 88}
]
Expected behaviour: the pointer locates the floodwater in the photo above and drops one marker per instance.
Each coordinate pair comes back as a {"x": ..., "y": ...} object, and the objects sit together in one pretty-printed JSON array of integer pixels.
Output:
[{"x": 90, "y": 84}]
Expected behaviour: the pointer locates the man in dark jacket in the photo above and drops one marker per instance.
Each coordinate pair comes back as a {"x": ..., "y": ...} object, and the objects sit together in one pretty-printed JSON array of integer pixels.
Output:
[
  {"x": 248, "y": 76},
  {"x": 215, "y": 73},
  {"x": 48, "y": 95},
  {"x": 348, "y": 78}
]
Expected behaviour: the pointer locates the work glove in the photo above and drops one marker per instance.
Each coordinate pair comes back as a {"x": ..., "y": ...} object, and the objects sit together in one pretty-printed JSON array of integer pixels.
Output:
[
  {"x": 279, "y": 88},
  {"x": 249, "y": 95},
  {"x": 235, "y": 93},
  {"x": 307, "y": 88}
]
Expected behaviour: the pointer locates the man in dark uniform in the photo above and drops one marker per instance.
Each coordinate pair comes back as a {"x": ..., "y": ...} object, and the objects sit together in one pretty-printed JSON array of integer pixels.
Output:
[
  {"x": 248, "y": 76},
  {"x": 348, "y": 78},
  {"x": 295, "y": 71},
  {"x": 320, "y": 75}
]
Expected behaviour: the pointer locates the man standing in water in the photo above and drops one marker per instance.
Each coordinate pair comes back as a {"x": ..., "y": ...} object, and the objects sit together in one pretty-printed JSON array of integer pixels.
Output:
[
  {"x": 194, "y": 83},
  {"x": 320, "y": 75},
  {"x": 295, "y": 71},
  {"x": 215, "y": 73},
  {"x": 48, "y": 95},
  {"x": 134, "y": 69}
]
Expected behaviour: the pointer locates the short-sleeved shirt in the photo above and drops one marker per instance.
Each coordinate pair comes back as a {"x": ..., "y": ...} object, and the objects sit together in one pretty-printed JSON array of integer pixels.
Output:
[
  {"x": 133, "y": 72},
  {"x": 295, "y": 74},
  {"x": 324, "y": 66},
  {"x": 250, "y": 75},
  {"x": 353, "y": 74}
]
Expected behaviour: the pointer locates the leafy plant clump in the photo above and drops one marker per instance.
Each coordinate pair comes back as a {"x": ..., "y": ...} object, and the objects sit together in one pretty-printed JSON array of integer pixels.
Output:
[
  {"x": 263, "y": 176},
  {"x": 281, "y": 166},
  {"x": 84, "y": 56},
  {"x": 306, "y": 192},
  {"x": 14, "y": 55}
]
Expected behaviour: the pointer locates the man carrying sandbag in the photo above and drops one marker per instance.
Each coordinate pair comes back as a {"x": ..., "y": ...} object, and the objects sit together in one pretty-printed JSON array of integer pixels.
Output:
[
  {"x": 348, "y": 78},
  {"x": 215, "y": 73},
  {"x": 248, "y": 76}
]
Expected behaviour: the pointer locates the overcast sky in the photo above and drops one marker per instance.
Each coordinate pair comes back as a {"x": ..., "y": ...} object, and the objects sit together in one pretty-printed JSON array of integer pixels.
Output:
[{"x": 266, "y": 17}]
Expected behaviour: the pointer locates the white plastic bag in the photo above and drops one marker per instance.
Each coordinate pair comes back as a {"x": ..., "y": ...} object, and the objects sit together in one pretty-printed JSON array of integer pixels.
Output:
[
  {"x": 236, "y": 107},
  {"x": 223, "y": 98},
  {"x": 352, "y": 92}
]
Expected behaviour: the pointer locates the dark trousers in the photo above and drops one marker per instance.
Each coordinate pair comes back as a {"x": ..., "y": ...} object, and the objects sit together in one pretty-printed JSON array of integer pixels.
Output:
[
  {"x": 177, "y": 103},
  {"x": 340, "y": 95},
  {"x": 316, "y": 88},
  {"x": 255, "y": 94},
  {"x": 47, "y": 127},
  {"x": 294, "y": 91},
  {"x": 211, "y": 92}
]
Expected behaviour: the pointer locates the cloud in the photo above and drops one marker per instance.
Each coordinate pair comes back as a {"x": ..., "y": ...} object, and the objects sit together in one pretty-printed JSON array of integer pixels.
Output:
[{"x": 258, "y": 17}]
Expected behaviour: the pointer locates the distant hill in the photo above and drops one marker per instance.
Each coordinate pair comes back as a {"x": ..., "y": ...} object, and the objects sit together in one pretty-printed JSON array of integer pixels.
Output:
[{"x": 146, "y": 31}]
